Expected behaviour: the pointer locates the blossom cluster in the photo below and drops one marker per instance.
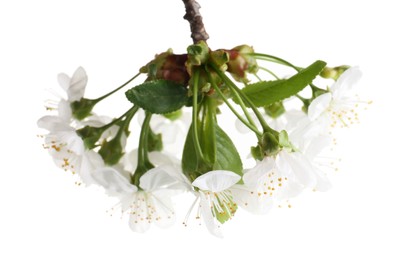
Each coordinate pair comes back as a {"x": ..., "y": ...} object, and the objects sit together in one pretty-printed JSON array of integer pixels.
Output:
[{"x": 145, "y": 180}]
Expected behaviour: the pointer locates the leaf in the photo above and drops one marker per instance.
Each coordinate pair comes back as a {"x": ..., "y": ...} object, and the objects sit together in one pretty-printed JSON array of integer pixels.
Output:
[
  {"x": 159, "y": 96},
  {"x": 265, "y": 93},
  {"x": 189, "y": 157},
  {"x": 227, "y": 157}
]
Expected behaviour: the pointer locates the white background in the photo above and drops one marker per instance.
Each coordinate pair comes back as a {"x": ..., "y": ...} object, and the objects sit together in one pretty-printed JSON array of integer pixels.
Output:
[{"x": 367, "y": 215}]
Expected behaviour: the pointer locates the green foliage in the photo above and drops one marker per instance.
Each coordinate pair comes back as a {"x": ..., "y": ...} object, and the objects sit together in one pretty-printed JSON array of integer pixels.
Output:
[
  {"x": 266, "y": 93},
  {"x": 227, "y": 156},
  {"x": 159, "y": 96},
  {"x": 192, "y": 165}
]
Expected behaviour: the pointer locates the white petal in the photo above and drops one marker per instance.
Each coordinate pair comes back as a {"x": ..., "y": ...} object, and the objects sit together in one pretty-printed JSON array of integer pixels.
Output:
[
  {"x": 156, "y": 178},
  {"x": 64, "y": 81},
  {"x": 53, "y": 124},
  {"x": 113, "y": 181},
  {"x": 300, "y": 166},
  {"x": 210, "y": 221},
  {"x": 164, "y": 212},
  {"x": 139, "y": 215},
  {"x": 72, "y": 140},
  {"x": 319, "y": 105},
  {"x": 249, "y": 200},
  {"x": 317, "y": 145},
  {"x": 130, "y": 160},
  {"x": 91, "y": 161},
  {"x": 159, "y": 158},
  {"x": 289, "y": 190},
  {"x": 346, "y": 82},
  {"x": 77, "y": 86},
  {"x": 253, "y": 177},
  {"x": 216, "y": 181},
  {"x": 64, "y": 110}
]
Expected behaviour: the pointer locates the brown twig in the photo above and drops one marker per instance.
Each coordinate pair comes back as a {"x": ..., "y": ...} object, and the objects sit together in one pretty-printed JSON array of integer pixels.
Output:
[{"x": 195, "y": 19}]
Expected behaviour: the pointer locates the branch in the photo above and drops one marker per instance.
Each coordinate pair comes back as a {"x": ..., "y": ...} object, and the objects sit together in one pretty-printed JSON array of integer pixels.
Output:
[{"x": 195, "y": 19}]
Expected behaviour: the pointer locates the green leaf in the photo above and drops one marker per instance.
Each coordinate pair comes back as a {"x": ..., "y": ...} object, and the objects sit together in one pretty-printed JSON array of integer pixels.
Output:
[
  {"x": 265, "y": 93},
  {"x": 159, "y": 96},
  {"x": 190, "y": 160},
  {"x": 227, "y": 157}
]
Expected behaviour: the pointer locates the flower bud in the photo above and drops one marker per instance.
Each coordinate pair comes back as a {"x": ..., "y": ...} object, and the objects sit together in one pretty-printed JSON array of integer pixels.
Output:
[
  {"x": 197, "y": 54},
  {"x": 241, "y": 62},
  {"x": 168, "y": 66},
  {"x": 333, "y": 73}
]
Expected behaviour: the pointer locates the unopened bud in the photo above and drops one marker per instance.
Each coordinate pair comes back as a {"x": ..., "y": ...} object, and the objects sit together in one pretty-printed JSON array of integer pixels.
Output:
[
  {"x": 333, "y": 73},
  {"x": 240, "y": 62},
  {"x": 168, "y": 66}
]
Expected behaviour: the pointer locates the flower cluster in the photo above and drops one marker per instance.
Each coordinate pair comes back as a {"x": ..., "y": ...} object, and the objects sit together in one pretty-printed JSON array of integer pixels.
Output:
[{"x": 183, "y": 149}]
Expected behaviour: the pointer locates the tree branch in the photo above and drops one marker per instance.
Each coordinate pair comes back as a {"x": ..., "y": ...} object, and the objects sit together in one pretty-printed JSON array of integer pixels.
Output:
[{"x": 195, "y": 19}]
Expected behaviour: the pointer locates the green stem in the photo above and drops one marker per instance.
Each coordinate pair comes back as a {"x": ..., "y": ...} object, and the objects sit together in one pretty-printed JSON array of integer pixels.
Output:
[
  {"x": 115, "y": 90},
  {"x": 242, "y": 105},
  {"x": 232, "y": 85},
  {"x": 143, "y": 164},
  {"x": 257, "y": 77},
  {"x": 210, "y": 129},
  {"x": 130, "y": 112},
  {"x": 126, "y": 123},
  {"x": 268, "y": 57},
  {"x": 195, "y": 112},
  {"x": 269, "y": 71},
  {"x": 250, "y": 126}
]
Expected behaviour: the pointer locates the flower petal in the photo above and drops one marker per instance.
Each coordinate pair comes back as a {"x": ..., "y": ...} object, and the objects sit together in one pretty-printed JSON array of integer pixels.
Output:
[
  {"x": 319, "y": 105},
  {"x": 53, "y": 124},
  {"x": 346, "y": 82},
  {"x": 163, "y": 209},
  {"x": 316, "y": 145},
  {"x": 113, "y": 181},
  {"x": 90, "y": 161},
  {"x": 210, "y": 221},
  {"x": 77, "y": 86},
  {"x": 157, "y": 178},
  {"x": 216, "y": 181},
  {"x": 140, "y": 219},
  {"x": 64, "y": 81},
  {"x": 300, "y": 166},
  {"x": 253, "y": 177},
  {"x": 250, "y": 201}
]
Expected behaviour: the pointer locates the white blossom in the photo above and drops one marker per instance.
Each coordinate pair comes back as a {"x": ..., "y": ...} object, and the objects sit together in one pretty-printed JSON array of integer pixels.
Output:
[
  {"x": 150, "y": 201},
  {"x": 340, "y": 103},
  {"x": 215, "y": 198}
]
